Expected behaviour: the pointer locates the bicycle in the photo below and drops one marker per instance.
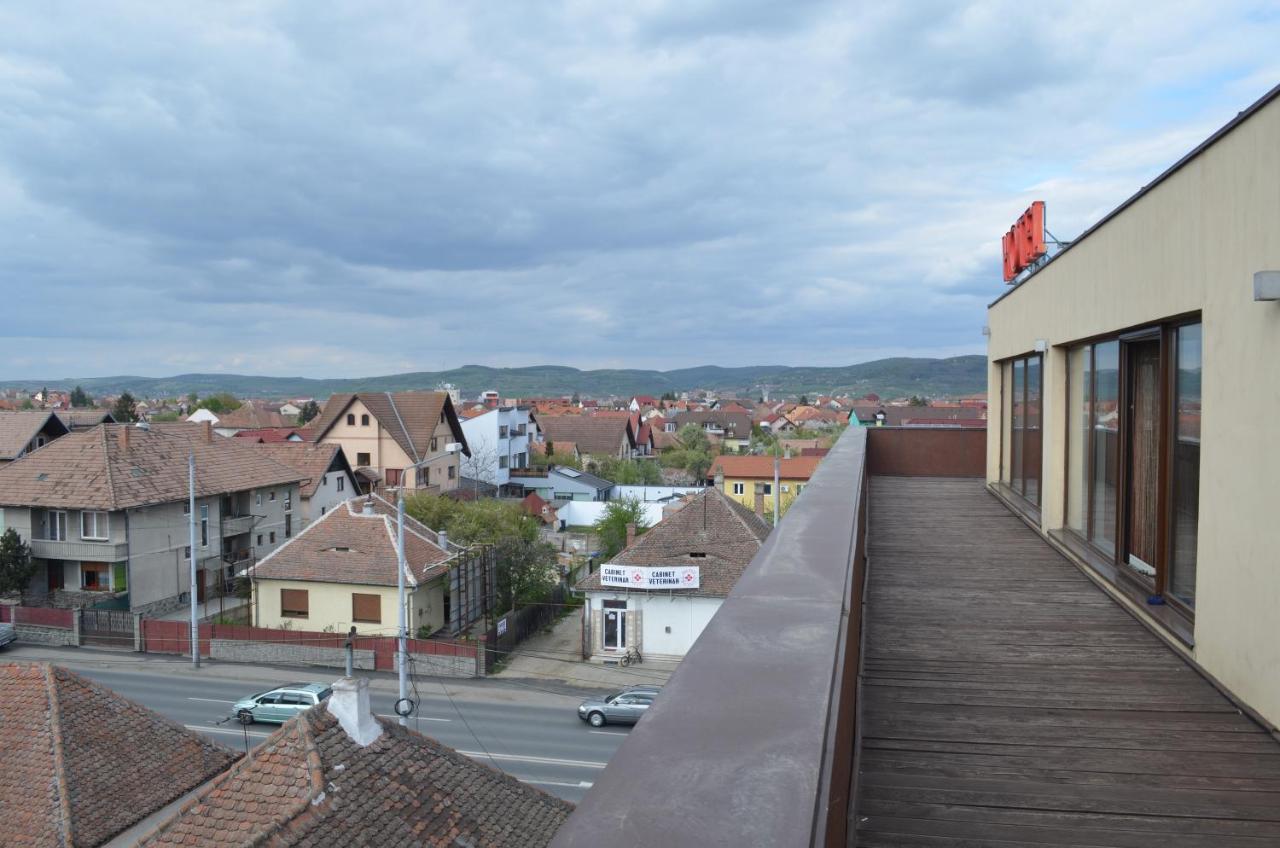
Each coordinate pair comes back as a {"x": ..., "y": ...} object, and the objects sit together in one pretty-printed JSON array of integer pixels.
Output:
[{"x": 631, "y": 656}]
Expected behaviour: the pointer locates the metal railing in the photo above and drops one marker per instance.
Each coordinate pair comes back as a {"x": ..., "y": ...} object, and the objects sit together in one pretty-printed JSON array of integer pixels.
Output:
[{"x": 752, "y": 740}]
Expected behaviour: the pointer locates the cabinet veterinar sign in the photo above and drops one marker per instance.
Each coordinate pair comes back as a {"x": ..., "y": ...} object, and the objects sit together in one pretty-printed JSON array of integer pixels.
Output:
[{"x": 650, "y": 577}]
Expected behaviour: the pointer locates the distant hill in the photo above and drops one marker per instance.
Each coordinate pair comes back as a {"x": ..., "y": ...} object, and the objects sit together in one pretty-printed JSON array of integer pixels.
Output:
[{"x": 958, "y": 375}]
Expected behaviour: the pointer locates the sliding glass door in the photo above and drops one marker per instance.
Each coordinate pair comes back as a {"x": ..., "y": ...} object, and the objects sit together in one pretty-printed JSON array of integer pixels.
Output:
[
  {"x": 1021, "y": 426},
  {"x": 1133, "y": 461}
]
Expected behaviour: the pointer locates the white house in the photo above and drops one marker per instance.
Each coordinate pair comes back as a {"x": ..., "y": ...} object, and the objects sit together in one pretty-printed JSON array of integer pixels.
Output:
[
  {"x": 499, "y": 441},
  {"x": 659, "y": 593}
]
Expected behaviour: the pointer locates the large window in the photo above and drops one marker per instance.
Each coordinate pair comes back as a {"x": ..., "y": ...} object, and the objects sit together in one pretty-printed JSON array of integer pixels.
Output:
[
  {"x": 1133, "y": 455},
  {"x": 1020, "y": 427},
  {"x": 93, "y": 526},
  {"x": 56, "y": 526}
]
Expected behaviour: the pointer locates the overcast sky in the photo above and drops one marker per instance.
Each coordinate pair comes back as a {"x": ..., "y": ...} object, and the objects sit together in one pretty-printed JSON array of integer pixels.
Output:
[{"x": 343, "y": 189}]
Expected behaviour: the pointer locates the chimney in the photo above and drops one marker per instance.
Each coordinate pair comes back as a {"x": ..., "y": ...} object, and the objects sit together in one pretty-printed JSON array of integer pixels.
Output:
[
  {"x": 720, "y": 479},
  {"x": 443, "y": 536},
  {"x": 786, "y": 453},
  {"x": 760, "y": 499},
  {"x": 123, "y": 432},
  {"x": 208, "y": 432},
  {"x": 349, "y": 704},
  {"x": 367, "y": 509},
  {"x": 631, "y": 534}
]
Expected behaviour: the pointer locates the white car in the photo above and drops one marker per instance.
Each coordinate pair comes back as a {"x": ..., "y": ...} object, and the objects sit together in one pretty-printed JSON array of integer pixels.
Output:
[{"x": 7, "y": 634}]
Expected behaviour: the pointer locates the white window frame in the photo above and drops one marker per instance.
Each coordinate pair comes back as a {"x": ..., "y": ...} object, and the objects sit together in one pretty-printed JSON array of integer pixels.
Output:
[
  {"x": 739, "y": 488},
  {"x": 258, "y": 495},
  {"x": 101, "y": 525},
  {"x": 56, "y": 518},
  {"x": 342, "y": 482}
]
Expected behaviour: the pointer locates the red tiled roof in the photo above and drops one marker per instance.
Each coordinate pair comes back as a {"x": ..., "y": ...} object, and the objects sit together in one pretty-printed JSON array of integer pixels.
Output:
[
  {"x": 79, "y": 763},
  {"x": 308, "y": 458},
  {"x": 347, "y": 546},
  {"x": 310, "y": 785},
  {"x": 761, "y": 467},
  {"x": 251, "y": 415},
  {"x": 270, "y": 435}
]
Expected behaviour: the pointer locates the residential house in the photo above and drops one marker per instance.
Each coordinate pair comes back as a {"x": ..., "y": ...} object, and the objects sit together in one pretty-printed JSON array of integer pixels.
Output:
[
  {"x": 290, "y": 410},
  {"x": 658, "y": 594},
  {"x": 1132, "y": 388},
  {"x": 561, "y": 483},
  {"x": 340, "y": 572},
  {"x": 81, "y": 764},
  {"x": 738, "y": 476},
  {"x": 498, "y": 438},
  {"x": 557, "y": 448},
  {"x": 816, "y": 418},
  {"x": 328, "y": 479},
  {"x": 410, "y": 439},
  {"x": 643, "y": 403},
  {"x": 201, "y": 415},
  {"x": 250, "y": 415},
  {"x": 732, "y": 428},
  {"x": 339, "y": 776},
  {"x": 597, "y": 436},
  {"x": 269, "y": 435},
  {"x": 107, "y": 511},
  {"x": 25, "y": 431}
]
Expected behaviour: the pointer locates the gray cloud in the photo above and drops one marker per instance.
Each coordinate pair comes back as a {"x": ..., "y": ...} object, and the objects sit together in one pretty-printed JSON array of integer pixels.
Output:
[{"x": 343, "y": 189}]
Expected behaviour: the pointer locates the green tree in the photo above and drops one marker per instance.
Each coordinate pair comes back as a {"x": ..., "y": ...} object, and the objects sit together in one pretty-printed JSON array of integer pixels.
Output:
[
  {"x": 576, "y": 399},
  {"x": 16, "y": 566},
  {"x": 80, "y": 398},
  {"x": 27, "y": 404},
  {"x": 221, "y": 403},
  {"x": 611, "y": 528},
  {"x": 804, "y": 400},
  {"x": 916, "y": 400},
  {"x": 526, "y": 571},
  {"x": 630, "y": 472},
  {"x": 310, "y": 410},
  {"x": 125, "y": 409},
  {"x": 692, "y": 437}
]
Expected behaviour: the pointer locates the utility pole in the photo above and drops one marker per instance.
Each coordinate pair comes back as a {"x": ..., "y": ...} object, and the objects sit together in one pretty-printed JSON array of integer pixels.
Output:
[
  {"x": 195, "y": 620},
  {"x": 777, "y": 465},
  {"x": 402, "y": 665}
]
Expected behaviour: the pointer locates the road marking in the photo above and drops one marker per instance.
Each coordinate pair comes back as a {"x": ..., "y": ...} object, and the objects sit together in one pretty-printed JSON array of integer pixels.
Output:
[
  {"x": 552, "y": 761},
  {"x": 581, "y": 784},
  {"x": 212, "y": 700},
  {"x": 608, "y": 733},
  {"x": 206, "y": 729},
  {"x": 413, "y": 718}
]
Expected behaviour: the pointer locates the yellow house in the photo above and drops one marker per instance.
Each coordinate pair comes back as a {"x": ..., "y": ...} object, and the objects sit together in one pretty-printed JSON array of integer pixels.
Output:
[
  {"x": 388, "y": 433},
  {"x": 737, "y": 476},
  {"x": 341, "y": 572}
]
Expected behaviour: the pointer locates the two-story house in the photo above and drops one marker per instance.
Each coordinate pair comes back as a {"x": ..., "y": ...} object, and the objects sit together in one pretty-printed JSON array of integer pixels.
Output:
[
  {"x": 499, "y": 441},
  {"x": 107, "y": 511},
  {"x": 595, "y": 437},
  {"x": 329, "y": 479},
  {"x": 396, "y": 439}
]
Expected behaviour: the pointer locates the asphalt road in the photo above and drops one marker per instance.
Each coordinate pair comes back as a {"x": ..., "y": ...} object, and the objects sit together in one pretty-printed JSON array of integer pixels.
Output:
[{"x": 533, "y": 735}]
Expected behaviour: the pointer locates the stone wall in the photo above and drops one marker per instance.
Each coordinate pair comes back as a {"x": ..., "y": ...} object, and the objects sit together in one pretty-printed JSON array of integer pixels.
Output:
[
  {"x": 437, "y": 665},
  {"x": 270, "y": 653},
  {"x": 35, "y": 634}
]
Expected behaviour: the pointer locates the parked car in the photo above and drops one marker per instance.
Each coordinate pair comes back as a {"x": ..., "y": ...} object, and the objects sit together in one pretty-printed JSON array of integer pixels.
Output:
[
  {"x": 280, "y": 705},
  {"x": 625, "y": 707},
  {"x": 7, "y": 634}
]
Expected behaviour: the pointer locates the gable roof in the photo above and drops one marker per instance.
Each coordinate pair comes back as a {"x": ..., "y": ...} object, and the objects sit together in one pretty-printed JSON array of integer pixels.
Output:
[
  {"x": 251, "y": 416},
  {"x": 595, "y": 435},
  {"x": 272, "y": 434},
  {"x": 96, "y": 469},
  {"x": 308, "y": 458},
  {"x": 761, "y": 467},
  {"x": 347, "y": 546},
  {"x": 84, "y": 419},
  {"x": 713, "y": 524},
  {"x": 583, "y": 477},
  {"x": 17, "y": 429},
  {"x": 409, "y": 417},
  {"x": 81, "y": 763},
  {"x": 735, "y": 424},
  {"x": 310, "y": 784}
]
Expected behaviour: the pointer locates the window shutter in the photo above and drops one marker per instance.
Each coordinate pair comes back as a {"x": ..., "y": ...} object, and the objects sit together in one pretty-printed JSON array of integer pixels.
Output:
[
  {"x": 294, "y": 603},
  {"x": 366, "y": 608}
]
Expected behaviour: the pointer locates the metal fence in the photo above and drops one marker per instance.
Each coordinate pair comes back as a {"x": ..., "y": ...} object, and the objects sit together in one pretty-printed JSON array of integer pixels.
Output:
[{"x": 519, "y": 624}]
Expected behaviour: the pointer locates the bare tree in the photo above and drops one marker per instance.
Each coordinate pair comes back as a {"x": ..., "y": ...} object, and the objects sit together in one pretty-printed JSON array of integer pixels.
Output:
[{"x": 481, "y": 466}]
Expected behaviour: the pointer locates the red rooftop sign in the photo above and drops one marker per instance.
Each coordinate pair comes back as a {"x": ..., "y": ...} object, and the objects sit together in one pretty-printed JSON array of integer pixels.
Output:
[{"x": 1024, "y": 243}]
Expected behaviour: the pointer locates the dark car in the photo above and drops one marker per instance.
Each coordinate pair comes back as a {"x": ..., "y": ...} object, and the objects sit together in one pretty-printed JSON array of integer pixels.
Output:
[{"x": 625, "y": 707}]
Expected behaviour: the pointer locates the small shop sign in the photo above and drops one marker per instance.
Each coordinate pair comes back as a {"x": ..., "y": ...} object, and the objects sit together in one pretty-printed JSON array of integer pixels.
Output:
[{"x": 650, "y": 577}]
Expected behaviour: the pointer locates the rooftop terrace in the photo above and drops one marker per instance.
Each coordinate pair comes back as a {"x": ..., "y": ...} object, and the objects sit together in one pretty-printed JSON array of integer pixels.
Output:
[{"x": 960, "y": 684}]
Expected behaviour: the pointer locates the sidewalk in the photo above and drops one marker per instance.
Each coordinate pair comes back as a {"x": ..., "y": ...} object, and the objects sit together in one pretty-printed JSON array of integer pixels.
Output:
[{"x": 557, "y": 656}]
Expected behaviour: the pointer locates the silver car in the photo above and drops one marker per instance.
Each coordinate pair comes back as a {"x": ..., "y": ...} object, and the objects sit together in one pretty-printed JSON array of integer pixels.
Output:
[
  {"x": 280, "y": 705},
  {"x": 7, "y": 634},
  {"x": 625, "y": 707}
]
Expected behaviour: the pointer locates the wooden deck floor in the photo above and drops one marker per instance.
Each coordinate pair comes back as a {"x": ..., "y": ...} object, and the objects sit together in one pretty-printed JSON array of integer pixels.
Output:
[{"x": 1008, "y": 701}]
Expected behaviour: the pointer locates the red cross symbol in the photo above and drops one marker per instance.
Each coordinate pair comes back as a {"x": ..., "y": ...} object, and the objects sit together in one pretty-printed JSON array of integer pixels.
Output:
[
  {"x": 637, "y": 576},
  {"x": 688, "y": 577}
]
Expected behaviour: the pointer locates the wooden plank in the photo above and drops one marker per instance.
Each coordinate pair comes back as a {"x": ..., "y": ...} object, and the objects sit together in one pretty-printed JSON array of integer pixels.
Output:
[{"x": 1006, "y": 700}]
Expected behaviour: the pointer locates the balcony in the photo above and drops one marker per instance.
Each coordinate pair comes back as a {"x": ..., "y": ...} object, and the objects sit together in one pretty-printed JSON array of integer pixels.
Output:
[
  {"x": 235, "y": 525},
  {"x": 79, "y": 550},
  {"x": 981, "y": 690}
]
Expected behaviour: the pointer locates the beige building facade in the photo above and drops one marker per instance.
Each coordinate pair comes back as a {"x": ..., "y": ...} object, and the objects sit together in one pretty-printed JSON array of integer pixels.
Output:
[{"x": 1134, "y": 387}]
